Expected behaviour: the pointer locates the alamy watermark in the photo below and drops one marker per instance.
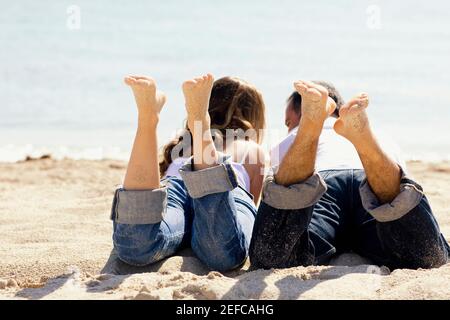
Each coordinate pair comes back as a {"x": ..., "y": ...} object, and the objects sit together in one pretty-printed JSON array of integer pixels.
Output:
[
  {"x": 373, "y": 21},
  {"x": 73, "y": 21}
]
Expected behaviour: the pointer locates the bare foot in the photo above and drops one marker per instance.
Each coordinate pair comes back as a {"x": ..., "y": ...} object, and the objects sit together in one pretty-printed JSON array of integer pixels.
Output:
[
  {"x": 353, "y": 122},
  {"x": 316, "y": 104},
  {"x": 197, "y": 93},
  {"x": 149, "y": 99}
]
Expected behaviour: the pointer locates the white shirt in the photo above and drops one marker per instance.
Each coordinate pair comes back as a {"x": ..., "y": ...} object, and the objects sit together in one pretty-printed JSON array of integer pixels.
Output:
[{"x": 334, "y": 152}]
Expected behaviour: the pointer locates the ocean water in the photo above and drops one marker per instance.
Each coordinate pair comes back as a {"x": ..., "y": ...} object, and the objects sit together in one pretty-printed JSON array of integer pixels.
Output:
[{"x": 62, "y": 65}]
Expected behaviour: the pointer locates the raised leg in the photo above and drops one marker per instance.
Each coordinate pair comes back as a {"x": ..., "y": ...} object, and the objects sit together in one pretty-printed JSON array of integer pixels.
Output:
[
  {"x": 280, "y": 236},
  {"x": 313, "y": 233},
  {"x": 143, "y": 171},
  {"x": 402, "y": 234},
  {"x": 405, "y": 233},
  {"x": 150, "y": 225},
  {"x": 223, "y": 212},
  {"x": 298, "y": 164},
  {"x": 197, "y": 93},
  {"x": 383, "y": 174},
  {"x": 150, "y": 222}
]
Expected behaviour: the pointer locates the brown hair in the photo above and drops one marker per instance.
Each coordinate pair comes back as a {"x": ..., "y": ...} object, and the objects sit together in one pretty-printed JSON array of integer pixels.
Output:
[{"x": 234, "y": 104}]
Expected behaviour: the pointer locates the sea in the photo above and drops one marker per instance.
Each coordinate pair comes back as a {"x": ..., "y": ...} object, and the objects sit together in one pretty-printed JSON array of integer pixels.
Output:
[{"x": 62, "y": 65}]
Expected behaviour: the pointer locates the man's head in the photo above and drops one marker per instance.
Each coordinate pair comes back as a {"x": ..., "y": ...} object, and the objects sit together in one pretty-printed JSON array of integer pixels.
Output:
[{"x": 294, "y": 105}]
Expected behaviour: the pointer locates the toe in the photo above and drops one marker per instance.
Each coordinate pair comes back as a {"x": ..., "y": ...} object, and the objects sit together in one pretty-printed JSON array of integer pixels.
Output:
[
  {"x": 189, "y": 84},
  {"x": 162, "y": 97},
  {"x": 364, "y": 104},
  {"x": 314, "y": 94},
  {"x": 143, "y": 82},
  {"x": 351, "y": 102},
  {"x": 363, "y": 95},
  {"x": 300, "y": 86},
  {"x": 321, "y": 89},
  {"x": 141, "y": 78},
  {"x": 363, "y": 100},
  {"x": 129, "y": 80},
  {"x": 309, "y": 84}
]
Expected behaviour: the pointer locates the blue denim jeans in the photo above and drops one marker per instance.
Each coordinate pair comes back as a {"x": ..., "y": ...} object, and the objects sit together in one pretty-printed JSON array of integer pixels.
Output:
[
  {"x": 336, "y": 211},
  {"x": 206, "y": 210}
]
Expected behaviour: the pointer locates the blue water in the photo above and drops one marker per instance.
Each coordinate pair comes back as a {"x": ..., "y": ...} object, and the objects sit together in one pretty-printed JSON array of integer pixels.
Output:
[{"x": 61, "y": 89}]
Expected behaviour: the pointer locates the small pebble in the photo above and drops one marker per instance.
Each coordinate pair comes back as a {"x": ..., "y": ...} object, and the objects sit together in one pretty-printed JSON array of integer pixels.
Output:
[
  {"x": 12, "y": 283},
  {"x": 92, "y": 283},
  {"x": 146, "y": 296},
  {"x": 3, "y": 284},
  {"x": 104, "y": 276},
  {"x": 214, "y": 275}
]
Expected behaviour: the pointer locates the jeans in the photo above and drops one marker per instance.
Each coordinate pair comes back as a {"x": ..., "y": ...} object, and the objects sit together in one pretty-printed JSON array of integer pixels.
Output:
[
  {"x": 336, "y": 211},
  {"x": 206, "y": 210}
]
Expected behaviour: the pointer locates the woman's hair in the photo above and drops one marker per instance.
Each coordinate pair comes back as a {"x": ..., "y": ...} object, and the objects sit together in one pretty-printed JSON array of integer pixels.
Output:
[{"x": 234, "y": 104}]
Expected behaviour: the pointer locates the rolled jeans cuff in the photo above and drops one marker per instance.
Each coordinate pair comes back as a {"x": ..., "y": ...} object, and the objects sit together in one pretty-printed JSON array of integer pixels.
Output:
[
  {"x": 295, "y": 196},
  {"x": 409, "y": 197},
  {"x": 139, "y": 206},
  {"x": 217, "y": 179}
]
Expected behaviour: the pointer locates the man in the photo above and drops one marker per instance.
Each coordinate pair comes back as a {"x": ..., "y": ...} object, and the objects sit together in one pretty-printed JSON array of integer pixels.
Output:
[{"x": 335, "y": 189}]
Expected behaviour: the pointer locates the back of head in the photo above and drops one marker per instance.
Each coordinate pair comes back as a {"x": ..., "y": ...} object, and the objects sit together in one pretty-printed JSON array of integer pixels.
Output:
[
  {"x": 296, "y": 100},
  {"x": 234, "y": 105}
]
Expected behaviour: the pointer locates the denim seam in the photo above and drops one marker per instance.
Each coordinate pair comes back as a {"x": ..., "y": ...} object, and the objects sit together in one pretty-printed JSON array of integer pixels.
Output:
[
  {"x": 235, "y": 226},
  {"x": 134, "y": 264},
  {"x": 168, "y": 239}
]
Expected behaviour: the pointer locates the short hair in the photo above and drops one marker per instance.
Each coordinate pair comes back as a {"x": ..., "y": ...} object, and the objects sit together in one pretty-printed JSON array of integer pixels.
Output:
[{"x": 295, "y": 99}]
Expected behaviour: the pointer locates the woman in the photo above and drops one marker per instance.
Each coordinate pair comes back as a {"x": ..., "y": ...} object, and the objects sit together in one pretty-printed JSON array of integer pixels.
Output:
[{"x": 207, "y": 201}]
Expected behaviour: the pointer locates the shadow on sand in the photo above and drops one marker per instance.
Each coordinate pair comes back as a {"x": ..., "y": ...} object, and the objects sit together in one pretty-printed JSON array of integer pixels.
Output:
[{"x": 249, "y": 283}]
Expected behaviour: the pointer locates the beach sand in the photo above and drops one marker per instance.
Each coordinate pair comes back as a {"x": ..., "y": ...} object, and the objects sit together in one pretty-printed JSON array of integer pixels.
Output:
[{"x": 55, "y": 243}]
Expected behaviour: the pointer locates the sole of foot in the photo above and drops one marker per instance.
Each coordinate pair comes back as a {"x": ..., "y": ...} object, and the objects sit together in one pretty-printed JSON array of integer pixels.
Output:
[
  {"x": 353, "y": 122},
  {"x": 197, "y": 93},
  {"x": 316, "y": 104},
  {"x": 148, "y": 97}
]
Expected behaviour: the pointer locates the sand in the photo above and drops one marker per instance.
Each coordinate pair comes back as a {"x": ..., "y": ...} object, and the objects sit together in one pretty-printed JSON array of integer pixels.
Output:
[{"x": 55, "y": 243}]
